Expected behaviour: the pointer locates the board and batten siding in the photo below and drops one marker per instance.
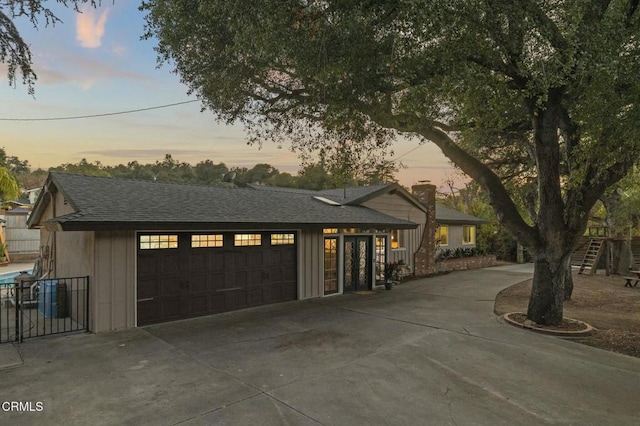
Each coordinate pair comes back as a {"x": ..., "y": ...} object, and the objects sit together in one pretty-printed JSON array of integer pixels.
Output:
[
  {"x": 455, "y": 237},
  {"x": 310, "y": 264},
  {"x": 20, "y": 239},
  {"x": 113, "y": 285},
  {"x": 401, "y": 208}
]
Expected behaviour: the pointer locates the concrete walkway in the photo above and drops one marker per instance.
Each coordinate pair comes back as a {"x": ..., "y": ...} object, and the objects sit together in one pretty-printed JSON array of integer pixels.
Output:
[{"x": 428, "y": 352}]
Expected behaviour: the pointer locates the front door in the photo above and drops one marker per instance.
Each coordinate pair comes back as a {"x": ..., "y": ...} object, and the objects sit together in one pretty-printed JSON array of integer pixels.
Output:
[{"x": 357, "y": 263}]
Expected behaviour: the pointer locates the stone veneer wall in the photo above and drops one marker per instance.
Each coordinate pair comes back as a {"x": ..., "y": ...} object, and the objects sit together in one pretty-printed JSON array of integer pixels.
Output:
[
  {"x": 426, "y": 254},
  {"x": 463, "y": 263}
]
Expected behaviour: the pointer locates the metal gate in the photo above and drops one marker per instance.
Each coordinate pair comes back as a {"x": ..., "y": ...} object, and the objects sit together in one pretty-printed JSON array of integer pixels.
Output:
[{"x": 44, "y": 307}]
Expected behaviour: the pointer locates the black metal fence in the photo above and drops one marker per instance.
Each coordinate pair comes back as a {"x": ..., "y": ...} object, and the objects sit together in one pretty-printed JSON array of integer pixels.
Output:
[{"x": 44, "y": 307}]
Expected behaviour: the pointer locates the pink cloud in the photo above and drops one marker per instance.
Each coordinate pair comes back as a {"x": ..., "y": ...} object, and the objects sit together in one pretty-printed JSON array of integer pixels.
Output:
[{"x": 90, "y": 27}]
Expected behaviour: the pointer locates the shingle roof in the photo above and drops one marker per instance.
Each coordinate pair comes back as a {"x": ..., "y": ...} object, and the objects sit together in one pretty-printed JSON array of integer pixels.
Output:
[
  {"x": 103, "y": 203},
  {"x": 447, "y": 215},
  {"x": 352, "y": 195}
]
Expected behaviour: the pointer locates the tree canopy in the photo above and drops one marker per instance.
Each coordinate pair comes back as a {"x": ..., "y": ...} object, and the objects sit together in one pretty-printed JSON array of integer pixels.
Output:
[
  {"x": 528, "y": 93},
  {"x": 14, "y": 50}
]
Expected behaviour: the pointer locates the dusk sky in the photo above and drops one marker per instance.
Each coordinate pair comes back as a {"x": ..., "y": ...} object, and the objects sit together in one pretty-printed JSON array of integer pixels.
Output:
[{"x": 95, "y": 63}]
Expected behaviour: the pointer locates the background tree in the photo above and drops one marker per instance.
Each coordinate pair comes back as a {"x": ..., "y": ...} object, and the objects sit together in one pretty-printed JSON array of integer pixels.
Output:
[
  {"x": 83, "y": 167},
  {"x": 14, "y": 50},
  {"x": 9, "y": 189},
  {"x": 527, "y": 92},
  {"x": 619, "y": 213}
]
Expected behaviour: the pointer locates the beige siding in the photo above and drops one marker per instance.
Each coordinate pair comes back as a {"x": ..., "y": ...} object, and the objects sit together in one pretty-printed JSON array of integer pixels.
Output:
[
  {"x": 310, "y": 274},
  {"x": 455, "y": 238},
  {"x": 73, "y": 253},
  {"x": 401, "y": 208},
  {"x": 113, "y": 285},
  {"x": 73, "y": 257}
]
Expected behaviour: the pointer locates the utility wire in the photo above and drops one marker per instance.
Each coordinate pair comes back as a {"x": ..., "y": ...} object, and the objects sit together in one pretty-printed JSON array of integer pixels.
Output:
[
  {"x": 107, "y": 114},
  {"x": 407, "y": 153}
]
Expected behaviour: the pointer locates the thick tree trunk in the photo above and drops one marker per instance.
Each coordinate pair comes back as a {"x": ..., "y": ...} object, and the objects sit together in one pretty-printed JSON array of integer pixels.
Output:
[
  {"x": 547, "y": 293},
  {"x": 621, "y": 256},
  {"x": 568, "y": 281}
]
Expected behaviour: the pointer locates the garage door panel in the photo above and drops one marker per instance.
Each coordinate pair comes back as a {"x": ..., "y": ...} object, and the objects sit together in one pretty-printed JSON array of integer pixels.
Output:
[
  {"x": 276, "y": 275},
  {"x": 170, "y": 264},
  {"x": 275, "y": 257},
  {"x": 230, "y": 261},
  {"x": 149, "y": 311},
  {"x": 216, "y": 262},
  {"x": 289, "y": 258},
  {"x": 198, "y": 284},
  {"x": 186, "y": 282},
  {"x": 171, "y": 286},
  {"x": 235, "y": 261},
  {"x": 255, "y": 259},
  {"x": 235, "y": 300},
  {"x": 148, "y": 265},
  {"x": 239, "y": 279},
  {"x": 289, "y": 274},
  {"x": 216, "y": 282},
  {"x": 256, "y": 278},
  {"x": 256, "y": 297},
  {"x": 172, "y": 308},
  {"x": 198, "y": 305},
  {"x": 198, "y": 261},
  {"x": 147, "y": 288},
  {"x": 217, "y": 302}
]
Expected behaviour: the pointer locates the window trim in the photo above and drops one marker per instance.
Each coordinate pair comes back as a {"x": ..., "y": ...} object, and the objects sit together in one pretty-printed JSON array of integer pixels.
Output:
[
  {"x": 247, "y": 240},
  {"x": 473, "y": 234},
  {"x": 283, "y": 239},
  {"x": 439, "y": 235},
  {"x": 158, "y": 241},
  {"x": 218, "y": 240},
  {"x": 400, "y": 239}
]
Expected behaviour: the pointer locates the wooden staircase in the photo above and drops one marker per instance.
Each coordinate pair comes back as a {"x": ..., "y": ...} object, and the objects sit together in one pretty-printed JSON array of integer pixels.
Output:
[{"x": 592, "y": 255}]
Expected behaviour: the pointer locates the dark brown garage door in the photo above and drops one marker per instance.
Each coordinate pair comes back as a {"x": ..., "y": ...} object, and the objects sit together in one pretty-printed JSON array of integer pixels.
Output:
[{"x": 183, "y": 275}]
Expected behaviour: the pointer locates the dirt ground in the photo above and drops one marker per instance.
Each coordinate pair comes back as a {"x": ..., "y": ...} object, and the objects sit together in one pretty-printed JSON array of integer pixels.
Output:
[{"x": 601, "y": 301}]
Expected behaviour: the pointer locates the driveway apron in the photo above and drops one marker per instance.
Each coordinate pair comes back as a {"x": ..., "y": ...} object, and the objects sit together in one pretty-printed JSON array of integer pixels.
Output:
[{"x": 430, "y": 351}]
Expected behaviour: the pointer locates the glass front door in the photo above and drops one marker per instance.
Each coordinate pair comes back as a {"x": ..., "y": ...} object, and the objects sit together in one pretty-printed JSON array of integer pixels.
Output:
[
  {"x": 357, "y": 263},
  {"x": 330, "y": 265}
]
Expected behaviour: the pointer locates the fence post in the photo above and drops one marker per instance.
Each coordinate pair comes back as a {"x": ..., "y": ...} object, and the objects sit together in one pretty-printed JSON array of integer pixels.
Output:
[
  {"x": 86, "y": 304},
  {"x": 17, "y": 290}
]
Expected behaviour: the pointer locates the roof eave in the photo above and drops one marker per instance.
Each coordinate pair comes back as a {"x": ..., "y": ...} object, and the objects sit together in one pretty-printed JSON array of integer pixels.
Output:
[
  {"x": 191, "y": 226},
  {"x": 391, "y": 188}
]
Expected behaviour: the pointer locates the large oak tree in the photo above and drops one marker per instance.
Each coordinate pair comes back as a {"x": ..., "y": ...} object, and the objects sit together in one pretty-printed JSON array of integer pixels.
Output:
[
  {"x": 15, "y": 51},
  {"x": 538, "y": 94}
]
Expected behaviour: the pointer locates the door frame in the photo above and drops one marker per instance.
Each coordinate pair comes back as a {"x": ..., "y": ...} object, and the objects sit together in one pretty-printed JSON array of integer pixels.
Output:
[{"x": 369, "y": 265}]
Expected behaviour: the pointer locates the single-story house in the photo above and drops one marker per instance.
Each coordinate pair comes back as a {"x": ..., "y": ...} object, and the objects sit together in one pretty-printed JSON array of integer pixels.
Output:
[
  {"x": 158, "y": 252},
  {"x": 455, "y": 229}
]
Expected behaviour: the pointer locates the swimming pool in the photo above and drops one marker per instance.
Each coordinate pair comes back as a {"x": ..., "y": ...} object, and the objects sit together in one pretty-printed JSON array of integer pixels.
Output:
[{"x": 6, "y": 279}]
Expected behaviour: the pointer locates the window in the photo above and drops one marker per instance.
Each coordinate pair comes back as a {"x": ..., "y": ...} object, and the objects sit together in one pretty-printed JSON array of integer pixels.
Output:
[
  {"x": 247, "y": 240},
  {"x": 442, "y": 235},
  {"x": 330, "y": 265},
  {"x": 148, "y": 242},
  {"x": 214, "y": 240},
  {"x": 330, "y": 230},
  {"x": 281, "y": 239},
  {"x": 469, "y": 234},
  {"x": 381, "y": 258},
  {"x": 397, "y": 239}
]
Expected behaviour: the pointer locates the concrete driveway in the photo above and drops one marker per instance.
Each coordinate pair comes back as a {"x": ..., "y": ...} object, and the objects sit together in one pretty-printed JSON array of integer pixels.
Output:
[{"x": 428, "y": 352}]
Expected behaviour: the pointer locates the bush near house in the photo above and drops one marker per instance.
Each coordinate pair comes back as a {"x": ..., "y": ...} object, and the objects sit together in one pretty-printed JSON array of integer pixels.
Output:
[{"x": 459, "y": 252}]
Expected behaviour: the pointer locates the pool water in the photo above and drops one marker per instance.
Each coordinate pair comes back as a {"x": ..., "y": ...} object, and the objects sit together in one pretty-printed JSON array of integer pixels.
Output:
[{"x": 6, "y": 280}]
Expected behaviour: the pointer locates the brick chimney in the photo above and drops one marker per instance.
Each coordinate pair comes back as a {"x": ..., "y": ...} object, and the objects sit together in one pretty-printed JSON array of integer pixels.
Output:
[{"x": 425, "y": 256}]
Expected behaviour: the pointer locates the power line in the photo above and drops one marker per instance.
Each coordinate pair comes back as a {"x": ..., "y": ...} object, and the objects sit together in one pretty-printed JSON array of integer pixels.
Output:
[
  {"x": 408, "y": 152},
  {"x": 106, "y": 114}
]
